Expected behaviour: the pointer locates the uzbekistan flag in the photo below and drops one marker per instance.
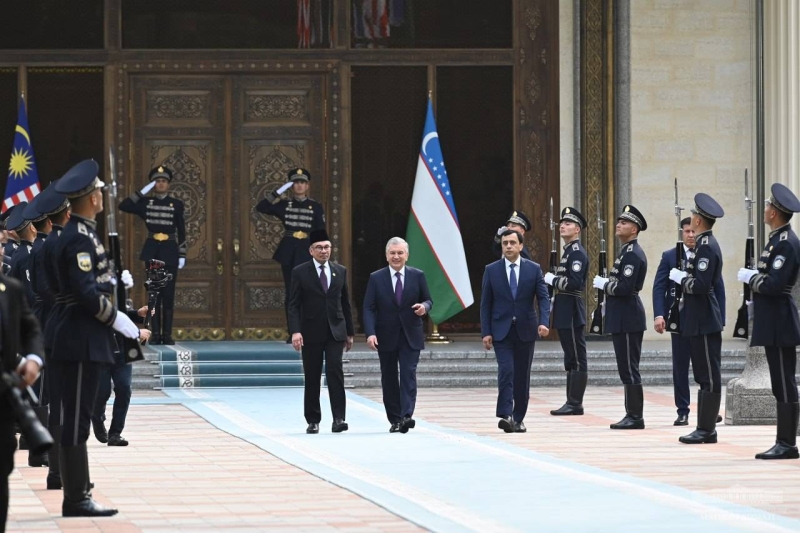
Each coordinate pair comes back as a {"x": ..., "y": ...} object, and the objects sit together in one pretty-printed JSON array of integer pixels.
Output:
[
  {"x": 433, "y": 234},
  {"x": 23, "y": 180}
]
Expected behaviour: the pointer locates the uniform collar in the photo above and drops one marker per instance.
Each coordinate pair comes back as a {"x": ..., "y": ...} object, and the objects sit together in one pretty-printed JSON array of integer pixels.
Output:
[
  {"x": 91, "y": 223},
  {"x": 161, "y": 196},
  {"x": 570, "y": 243},
  {"x": 779, "y": 230},
  {"x": 704, "y": 234}
]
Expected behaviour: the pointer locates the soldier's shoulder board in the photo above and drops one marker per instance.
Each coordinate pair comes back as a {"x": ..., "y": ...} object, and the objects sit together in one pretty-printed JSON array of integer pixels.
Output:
[
  {"x": 630, "y": 248},
  {"x": 784, "y": 235},
  {"x": 704, "y": 240},
  {"x": 82, "y": 229},
  {"x": 576, "y": 246}
]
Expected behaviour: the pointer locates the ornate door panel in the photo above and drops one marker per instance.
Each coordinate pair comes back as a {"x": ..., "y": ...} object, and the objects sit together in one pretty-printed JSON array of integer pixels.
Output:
[
  {"x": 277, "y": 125},
  {"x": 179, "y": 122}
]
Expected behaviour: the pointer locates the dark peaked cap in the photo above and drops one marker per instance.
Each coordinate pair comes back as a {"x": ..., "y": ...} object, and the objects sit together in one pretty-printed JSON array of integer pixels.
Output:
[
  {"x": 633, "y": 215},
  {"x": 573, "y": 215},
  {"x": 16, "y": 221},
  {"x": 80, "y": 180},
  {"x": 707, "y": 207},
  {"x": 784, "y": 199}
]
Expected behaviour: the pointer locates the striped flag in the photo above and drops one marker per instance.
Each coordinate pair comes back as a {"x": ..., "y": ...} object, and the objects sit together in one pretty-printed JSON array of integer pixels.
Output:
[
  {"x": 23, "y": 180},
  {"x": 433, "y": 233}
]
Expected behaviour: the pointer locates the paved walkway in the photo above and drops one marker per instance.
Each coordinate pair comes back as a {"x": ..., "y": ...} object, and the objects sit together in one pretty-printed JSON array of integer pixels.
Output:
[{"x": 239, "y": 460}]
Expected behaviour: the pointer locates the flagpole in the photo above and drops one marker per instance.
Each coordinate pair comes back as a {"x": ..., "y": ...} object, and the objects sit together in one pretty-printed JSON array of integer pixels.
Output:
[
  {"x": 22, "y": 82},
  {"x": 437, "y": 338}
]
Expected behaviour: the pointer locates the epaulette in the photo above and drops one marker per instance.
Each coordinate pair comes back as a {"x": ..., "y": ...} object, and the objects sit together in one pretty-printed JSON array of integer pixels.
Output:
[
  {"x": 576, "y": 246},
  {"x": 784, "y": 235},
  {"x": 630, "y": 248},
  {"x": 82, "y": 229},
  {"x": 704, "y": 240}
]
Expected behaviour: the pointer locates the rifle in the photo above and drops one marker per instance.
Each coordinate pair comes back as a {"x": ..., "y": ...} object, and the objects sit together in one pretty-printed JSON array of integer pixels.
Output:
[
  {"x": 742, "y": 327},
  {"x": 674, "y": 315},
  {"x": 553, "y": 252},
  {"x": 130, "y": 347},
  {"x": 597, "y": 314}
]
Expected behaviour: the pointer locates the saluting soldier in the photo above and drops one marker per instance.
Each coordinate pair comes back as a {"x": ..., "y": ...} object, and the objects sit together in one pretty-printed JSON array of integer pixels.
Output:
[
  {"x": 776, "y": 326},
  {"x": 519, "y": 222},
  {"x": 625, "y": 316},
  {"x": 166, "y": 241},
  {"x": 569, "y": 310},
  {"x": 300, "y": 216},
  {"x": 84, "y": 333},
  {"x": 701, "y": 317}
]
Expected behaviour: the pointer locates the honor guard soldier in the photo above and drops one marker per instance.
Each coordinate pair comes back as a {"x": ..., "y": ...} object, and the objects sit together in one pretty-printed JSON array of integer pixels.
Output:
[
  {"x": 569, "y": 310},
  {"x": 12, "y": 241},
  {"x": 22, "y": 227},
  {"x": 300, "y": 216},
  {"x": 701, "y": 317},
  {"x": 518, "y": 221},
  {"x": 625, "y": 316},
  {"x": 775, "y": 322},
  {"x": 84, "y": 333},
  {"x": 166, "y": 241}
]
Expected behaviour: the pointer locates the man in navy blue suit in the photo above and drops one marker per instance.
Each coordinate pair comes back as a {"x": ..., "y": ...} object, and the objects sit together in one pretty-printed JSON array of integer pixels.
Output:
[
  {"x": 509, "y": 324},
  {"x": 397, "y": 298},
  {"x": 663, "y": 296}
]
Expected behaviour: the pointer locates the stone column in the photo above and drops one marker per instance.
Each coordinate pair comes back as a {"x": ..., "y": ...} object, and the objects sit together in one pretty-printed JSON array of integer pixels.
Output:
[{"x": 749, "y": 397}]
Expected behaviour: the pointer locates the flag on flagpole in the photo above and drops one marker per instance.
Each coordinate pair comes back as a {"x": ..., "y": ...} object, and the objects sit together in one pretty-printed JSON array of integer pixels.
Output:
[
  {"x": 23, "y": 180},
  {"x": 433, "y": 233}
]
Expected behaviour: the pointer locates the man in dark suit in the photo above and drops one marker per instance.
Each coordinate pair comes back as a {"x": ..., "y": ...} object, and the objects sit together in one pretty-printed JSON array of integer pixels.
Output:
[
  {"x": 321, "y": 325},
  {"x": 663, "y": 298},
  {"x": 509, "y": 324},
  {"x": 397, "y": 298},
  {"x": 20, "y": 335}
]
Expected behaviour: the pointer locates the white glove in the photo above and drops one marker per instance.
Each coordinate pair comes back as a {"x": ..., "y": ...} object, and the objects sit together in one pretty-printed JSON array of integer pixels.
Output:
[
  {"x": 181, "y": 262},
  {"x": 599, "y": 282},
  {"x": 745, "y": 274},
  {"x": 283, "y": 188},
  {"x": 677, "y": 275},
  {"x": 147, "y": 188},
  {"x": 125, "y": 325},
  {"x": 501, "y": 230},
  {"x": 548, "y": 278},
  {"x": 127, "y": 279}
]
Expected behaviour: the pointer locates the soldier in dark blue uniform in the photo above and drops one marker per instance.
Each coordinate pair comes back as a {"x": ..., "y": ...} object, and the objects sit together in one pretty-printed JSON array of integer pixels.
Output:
[
  {"x": 56, "y": 207},
  {"x": 569, "y": 310},
  {"x": 625, "y": 316},
  {"x": 21, "y": 226},
  {"x": 300, "y": 216},
  {"x": 12, "y": 239},
  {"x": 86, "y": 282},
  {"x": 518, "y": 221},
  {"x": 166, "y": 241},
  {"x": 701, "y": 317},
  {"x": 776, "y": 326}
]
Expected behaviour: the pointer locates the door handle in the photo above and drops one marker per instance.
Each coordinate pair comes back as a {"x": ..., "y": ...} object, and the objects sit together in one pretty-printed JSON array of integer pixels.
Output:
[
  {"x": 220, "y": 249},
  {"x": 235, "y": 257}
]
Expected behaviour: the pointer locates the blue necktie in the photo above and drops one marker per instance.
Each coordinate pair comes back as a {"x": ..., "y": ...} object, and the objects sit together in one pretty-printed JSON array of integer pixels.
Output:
[
  {"x": 398, "y": 289},
  {"x": 513, "y": 281}
]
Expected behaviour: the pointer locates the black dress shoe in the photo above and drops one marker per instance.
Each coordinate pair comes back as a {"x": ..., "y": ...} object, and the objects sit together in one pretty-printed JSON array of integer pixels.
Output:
[
  {"x": 100, "y": 432},
  {"x": 719, "y": 419},
  {"x": 312, "y": 429},
  {"x": 86, "y": 507},
  {"x": 519, "y": 427},
  {"x": 781, "y": 450},
  {"x": 699, "y": 436},
  {"x": 506, "y": 423},
  {"x": 409, "y": 422},
  {"x": 682, "y": 420},
  {"x": 629, "y": 422},
  {"x": 54, "y": 482},
  {"x": 339, "y": 425},
  {"x": 396, "y": 427},
  {"x": 117, "y": 440}
]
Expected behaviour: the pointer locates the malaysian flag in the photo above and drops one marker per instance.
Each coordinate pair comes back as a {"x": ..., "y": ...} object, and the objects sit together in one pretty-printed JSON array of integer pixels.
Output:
[{"x": 23, "y": 180}]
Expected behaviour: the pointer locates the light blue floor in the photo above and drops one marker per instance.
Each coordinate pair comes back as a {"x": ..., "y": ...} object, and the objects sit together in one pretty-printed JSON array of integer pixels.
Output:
[{"x": 448, "y": 480}]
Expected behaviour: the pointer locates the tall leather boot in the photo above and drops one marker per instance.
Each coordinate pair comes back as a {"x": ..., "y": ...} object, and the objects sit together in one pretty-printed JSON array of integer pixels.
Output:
[
  {"x": 634, "y": 408},
  {"x": 786, "y": 443},
  {"x": 74, "y": 476},
  {"x": 707, "y": 411},
  {"x": 167, "y": 327},
  {"x": 576, "y": 386},
  {"x": 54, "y": 473},
  {"x": 39, "y": 459}
]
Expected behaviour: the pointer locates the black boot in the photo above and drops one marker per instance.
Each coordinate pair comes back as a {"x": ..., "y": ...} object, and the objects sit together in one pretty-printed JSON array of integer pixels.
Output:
[
  {"x": 39, "y": 459},
  {"x": 707, "y": 411},
  {"x": 576, "y": 386},
  {"x": 167, "y": 327},
  {"x": 54, "y": 473},
  {"x": 99, "y": 429},
  {"x": 74, "y": 476},
  {"x": 634, "y": 408},
  {"x": 786, "y": 443}
]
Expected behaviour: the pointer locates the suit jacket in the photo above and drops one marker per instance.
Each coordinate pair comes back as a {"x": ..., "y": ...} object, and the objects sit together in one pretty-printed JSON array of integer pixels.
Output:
[
  {"x": 20, "y": 329},
  {"x": 316, "y": 314},
  {"x": 498, "y": 307},
  {"x": 664, "y": 288},
  {"x": 385, "y": 319}
]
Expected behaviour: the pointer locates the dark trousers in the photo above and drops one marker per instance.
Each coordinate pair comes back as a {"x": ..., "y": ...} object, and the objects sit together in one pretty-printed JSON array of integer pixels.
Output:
[
  {"x": 53, "y": 386},
  {"x": 79, "y": 382},
  {"x": 313, "y": 355},
  {"x": 8, "y": 444},
  {"x": 706, "y": 360},
  {"x": 399, "y": 397},
  {"x": 287, "y": 286},
  {"x": 573, "y": 342},
  {"x": 681, "y": 357},
  {"x": 121, "y": 375},
  {"x": 782, "y": 363},
  {"x": 628, "y": 350},
  {"x": 514, "y": 358}
]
